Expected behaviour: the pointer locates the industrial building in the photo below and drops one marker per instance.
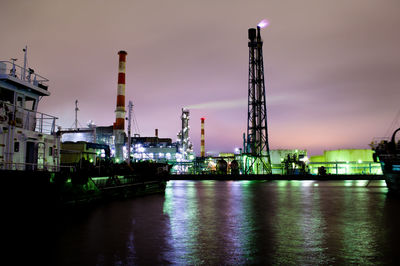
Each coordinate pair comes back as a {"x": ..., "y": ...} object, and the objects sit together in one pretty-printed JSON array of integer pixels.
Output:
[
  {"x": 345, "y": 161},
  {"x": 75, "y": 152},
  {"x": 142, "y": 148},
  {"x": 154, "y": 149}
]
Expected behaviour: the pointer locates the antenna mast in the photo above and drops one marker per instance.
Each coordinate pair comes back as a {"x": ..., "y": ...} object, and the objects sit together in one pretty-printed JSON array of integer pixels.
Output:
[
  {"x": 25, "y": 62},
  {"x": 130, "y": 105},
  {"x": 76, "y": 114}
]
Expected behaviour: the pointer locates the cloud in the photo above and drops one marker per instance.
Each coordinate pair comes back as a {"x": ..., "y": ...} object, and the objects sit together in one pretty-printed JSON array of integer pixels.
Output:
[{"x": 223, "y": 104}]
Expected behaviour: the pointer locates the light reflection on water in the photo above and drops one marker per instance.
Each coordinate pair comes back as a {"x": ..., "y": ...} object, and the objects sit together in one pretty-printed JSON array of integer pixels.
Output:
[
  {"x": 279, "y": 222},
  {"x": 248, "y": 222}
]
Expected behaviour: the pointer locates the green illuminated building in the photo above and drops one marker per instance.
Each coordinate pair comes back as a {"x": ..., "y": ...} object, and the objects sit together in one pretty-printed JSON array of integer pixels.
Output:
[{"x": 346, "y": 161}]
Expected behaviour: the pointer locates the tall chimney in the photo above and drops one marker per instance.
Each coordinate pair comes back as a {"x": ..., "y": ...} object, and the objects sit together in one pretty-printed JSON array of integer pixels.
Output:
[
  {"x": 119, "y": 125},
  {"x": 120, "y": 110},
  {"x": 202, "y": 149}
]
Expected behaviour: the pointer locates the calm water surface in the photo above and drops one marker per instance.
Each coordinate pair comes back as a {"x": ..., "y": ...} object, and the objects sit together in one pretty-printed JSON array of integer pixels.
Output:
[{"x": 234, "y": 223}]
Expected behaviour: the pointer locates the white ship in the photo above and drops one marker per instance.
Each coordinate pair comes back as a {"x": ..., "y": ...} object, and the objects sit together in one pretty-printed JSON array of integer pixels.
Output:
[{"x": 28, "y": 138}]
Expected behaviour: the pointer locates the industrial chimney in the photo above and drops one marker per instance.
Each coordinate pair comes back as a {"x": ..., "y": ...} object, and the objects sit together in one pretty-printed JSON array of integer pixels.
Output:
[
  {"x": 202, "y": 149},
  {"x": 119, "y": 125}
]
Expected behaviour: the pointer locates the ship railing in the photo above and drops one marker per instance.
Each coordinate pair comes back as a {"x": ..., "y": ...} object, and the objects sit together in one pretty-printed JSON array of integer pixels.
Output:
[
  {"x": 113, "y": 181},
  {"x": 28, "y": 75},
  {"x": 27, "y": 119},
  {"x": 45, "y": 123},
  {"x": 347, "y": 168},
  {"x": 29, "y": 167}
]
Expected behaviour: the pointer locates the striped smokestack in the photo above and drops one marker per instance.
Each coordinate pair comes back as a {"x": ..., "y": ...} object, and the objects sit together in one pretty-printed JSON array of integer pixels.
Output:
[
  {"x": 202, "y": 149},
  {"x": 120, "y": 111},
  {"x": 119, "y": 125}
]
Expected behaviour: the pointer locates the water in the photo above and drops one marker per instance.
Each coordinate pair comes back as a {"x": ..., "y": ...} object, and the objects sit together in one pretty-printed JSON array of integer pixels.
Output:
[{"x": 232, "y": 223}]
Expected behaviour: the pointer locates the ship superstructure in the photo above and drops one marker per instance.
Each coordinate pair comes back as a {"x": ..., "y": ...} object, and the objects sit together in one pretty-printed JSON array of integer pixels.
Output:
[
  {"x": 388, "y": 153},
  {"x": 28, "y": 139}
]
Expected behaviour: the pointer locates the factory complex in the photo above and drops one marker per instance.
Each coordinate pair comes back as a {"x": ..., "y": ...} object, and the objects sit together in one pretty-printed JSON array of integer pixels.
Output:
[
  {"x": 97, "y": 143},
  {"x": 81, "y": 165},
  {"x": 98, "y": 146},
  {"x": 92, "y": 144}
]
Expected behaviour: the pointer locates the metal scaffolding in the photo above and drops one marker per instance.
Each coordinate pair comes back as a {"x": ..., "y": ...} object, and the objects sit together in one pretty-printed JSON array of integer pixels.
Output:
[{"x": 258, "y": 159}]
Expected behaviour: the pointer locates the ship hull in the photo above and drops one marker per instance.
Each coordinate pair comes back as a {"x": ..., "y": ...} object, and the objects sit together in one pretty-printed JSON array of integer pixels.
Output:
[
  {"x": 391, "y": 172},
  {"x": 46, "y": 190}
]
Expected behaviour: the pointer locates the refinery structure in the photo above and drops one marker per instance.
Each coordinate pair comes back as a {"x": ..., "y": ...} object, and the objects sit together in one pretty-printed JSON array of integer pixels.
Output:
[
  {"x": 95, "y": 143},
  {"x": 90, "y": 163},
  {"x": 31, "y": 140}
]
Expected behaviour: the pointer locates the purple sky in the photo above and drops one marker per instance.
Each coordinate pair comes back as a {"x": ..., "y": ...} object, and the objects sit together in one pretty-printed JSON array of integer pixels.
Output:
[{"x": 332, "y": 68}]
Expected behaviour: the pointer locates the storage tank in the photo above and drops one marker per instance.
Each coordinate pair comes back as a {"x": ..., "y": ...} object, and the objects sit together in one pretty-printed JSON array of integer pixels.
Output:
[
  {"x": 222, "y": 167},
  {"x": 234, "y": 167}
]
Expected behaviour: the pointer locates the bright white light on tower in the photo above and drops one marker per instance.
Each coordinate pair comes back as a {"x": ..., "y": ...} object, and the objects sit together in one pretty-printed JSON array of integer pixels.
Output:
[
  {"x": 304, "y": 159},
  {"x": 264, "y": 23}
]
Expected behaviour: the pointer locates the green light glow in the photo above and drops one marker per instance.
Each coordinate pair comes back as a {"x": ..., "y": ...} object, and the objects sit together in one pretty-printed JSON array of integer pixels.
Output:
[
  {"x": 246, "y": 182},
  {"x": 348, "y": 183},
  {"x": 209, "y": 182},
  {"x": 349, "y": 161},
  {"x": 181, "y": 206},
  {"x": 295, "y": 183},
  {"x": 359, "y": 235},
  {"x": 362, "y": 183},
  {"x": 282, "y": 183}
]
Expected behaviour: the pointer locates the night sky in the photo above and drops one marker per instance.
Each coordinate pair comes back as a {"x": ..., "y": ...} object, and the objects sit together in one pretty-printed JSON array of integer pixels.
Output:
[{"x": 332, "y": 68}]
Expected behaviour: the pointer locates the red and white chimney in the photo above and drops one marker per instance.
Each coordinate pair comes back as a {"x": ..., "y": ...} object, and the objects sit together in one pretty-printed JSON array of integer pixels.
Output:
[
  {"x": 202, "y": 147},
  {"x": 119, "y": 125},
  {"x": 120, "y": 110}
]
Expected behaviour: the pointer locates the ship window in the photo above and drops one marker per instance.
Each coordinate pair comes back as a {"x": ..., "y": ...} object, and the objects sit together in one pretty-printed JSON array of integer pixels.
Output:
[
  {"x": 6, "y": 95},
  {"x": 51, "y": 151},
  {"x": 29, "y": 103},
  {"x": 16, "y": 146},
  {"x": 19, "y": 101}
]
